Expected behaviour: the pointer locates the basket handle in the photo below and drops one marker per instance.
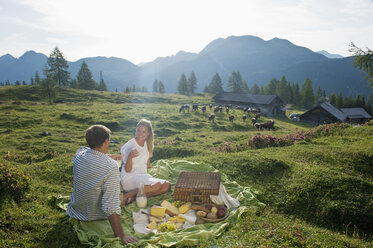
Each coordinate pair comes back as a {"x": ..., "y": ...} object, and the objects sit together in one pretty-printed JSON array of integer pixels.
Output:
[{"x": 196, "y": 197}]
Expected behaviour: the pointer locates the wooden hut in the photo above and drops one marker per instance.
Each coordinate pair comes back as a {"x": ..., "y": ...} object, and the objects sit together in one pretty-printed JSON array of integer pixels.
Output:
[
  {"x": 356, "y": 115},
  {"x": 269, "y": 105},
  {"x": 324, "y": 113}
]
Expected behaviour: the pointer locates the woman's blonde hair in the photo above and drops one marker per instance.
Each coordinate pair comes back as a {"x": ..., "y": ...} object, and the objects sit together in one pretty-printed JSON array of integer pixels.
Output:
[{"x": 150, "y": 139}]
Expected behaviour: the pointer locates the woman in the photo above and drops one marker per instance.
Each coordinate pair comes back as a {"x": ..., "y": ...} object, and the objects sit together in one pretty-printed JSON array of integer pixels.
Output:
[{"x": 136, "y": 155}]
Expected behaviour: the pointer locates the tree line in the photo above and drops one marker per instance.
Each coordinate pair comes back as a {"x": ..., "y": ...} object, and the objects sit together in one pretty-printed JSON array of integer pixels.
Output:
[{"x": 304, "y": 96}]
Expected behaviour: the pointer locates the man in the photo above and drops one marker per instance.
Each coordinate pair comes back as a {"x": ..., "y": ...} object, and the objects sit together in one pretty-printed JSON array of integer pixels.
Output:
[{"x": 96, "y": 183}]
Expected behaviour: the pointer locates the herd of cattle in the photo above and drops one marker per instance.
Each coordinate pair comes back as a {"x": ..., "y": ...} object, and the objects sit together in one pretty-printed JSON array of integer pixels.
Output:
[{"x": 254, "y": 112}]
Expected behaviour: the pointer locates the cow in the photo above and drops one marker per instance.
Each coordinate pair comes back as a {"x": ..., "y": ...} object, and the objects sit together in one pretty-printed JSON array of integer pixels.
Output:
[
  {"x": 253, "y": 120},
  {"x": 267, "y": 125},
  {"x": 227, "y": 110},
  {"x": 231, "y": 118},
  {"x": 184, "y": 107},
  {"x": 194, "y": 107},
  {"x": 210, "y": 106},
  {"x": 212, "y": 117},
  {"x": 244, "y": 118},
  {"x": 203, "y": 108}
]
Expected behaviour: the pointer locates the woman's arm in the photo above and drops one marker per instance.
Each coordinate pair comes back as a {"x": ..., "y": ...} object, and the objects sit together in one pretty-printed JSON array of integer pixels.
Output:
[
  {"x": 128, "y": 167},
  {"x": 148, "y": 164}
]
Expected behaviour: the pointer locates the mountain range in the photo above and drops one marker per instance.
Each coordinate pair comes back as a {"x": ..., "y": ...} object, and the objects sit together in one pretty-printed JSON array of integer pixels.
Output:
[{"x": 257, "y": 60}]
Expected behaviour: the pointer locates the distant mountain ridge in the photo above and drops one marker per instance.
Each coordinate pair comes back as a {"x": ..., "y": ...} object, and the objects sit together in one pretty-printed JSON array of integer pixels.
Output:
[
  {"x": 330, "y": 55},
  {"x": 257, "y": 60}
]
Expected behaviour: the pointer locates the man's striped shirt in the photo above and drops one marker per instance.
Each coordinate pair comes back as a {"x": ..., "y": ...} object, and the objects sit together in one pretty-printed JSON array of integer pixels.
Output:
[{"x": 96, "y": 186}]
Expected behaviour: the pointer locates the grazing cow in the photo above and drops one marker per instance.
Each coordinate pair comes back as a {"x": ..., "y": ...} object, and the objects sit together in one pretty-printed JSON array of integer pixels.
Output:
[
  {"x": 231, "y": 118},
  {"x": 184, "y": 107},
  {"x": 254, "y": 110},
  {"x": 204, "y": 108},
  {"x": 216, "y": 109},
  {"x": 221, "y": 109},
  {"x": 253, "y": 120},
  {"x": 244, "y": 118},
  {"x": 212, "y": 117},
  {"x": 267, "y": 125},
  {"x": 227, "y": 110},
  {"x": 45, "y": 133},
  {"x": 194, "y": 107},
  {"x": 210, "y": 106}
]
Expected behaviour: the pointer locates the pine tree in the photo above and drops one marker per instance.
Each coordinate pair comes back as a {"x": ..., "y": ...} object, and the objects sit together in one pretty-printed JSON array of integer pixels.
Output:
[
  {"x": 37, "y": 78},
  {"x": 133, "y": 88},
  {"x": 348, "y": 102},
  {"x": 319, "y": 95},
  {"x": 58, "y": 67},
  {"x": 48, "y": 85},
  {"x": 255, "y": 90},
  {"x": 32, "y": 81},
  {"x": 84, "y": 77},
  {"x": 102, "y": 85},
  {"x": 235, "y": 83},
  {"x": 359, "y": 101},
  {"x": 368, "y": 104},
  {"x": 215, "y": 86},
  {"x": 128, "y": 90},
  {"x": 270, "y": 88},
  {"x": 296, "y": 94},
  {"x": 245, "y": 87},
  {"x": 74, "y": 84},
  {"x": 17, "y": 83},
  {"x": 155, "y": 86},
  {"x": 332, "y": 99},
  {"x": 192, "y": 82},
  {"x": 182, "y": 85},
  {"x": 291, "y": 94},
  {"x": 306, "y": 94},
  {"x": 339, "y": 101},
  {"x": 161, "y": 87},
  {"x": 282, "y": 90},
  {"x": 363, "y": 60}
]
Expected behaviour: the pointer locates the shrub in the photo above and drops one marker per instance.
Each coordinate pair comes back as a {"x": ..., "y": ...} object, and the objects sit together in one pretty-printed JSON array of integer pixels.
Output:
[
  {"x": 258, "y": 141},
  {"x": 13, "y": 182}
]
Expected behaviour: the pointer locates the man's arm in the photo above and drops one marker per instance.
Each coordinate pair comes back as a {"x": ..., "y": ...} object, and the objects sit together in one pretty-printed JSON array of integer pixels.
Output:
[{"x": 118, "y": 230}]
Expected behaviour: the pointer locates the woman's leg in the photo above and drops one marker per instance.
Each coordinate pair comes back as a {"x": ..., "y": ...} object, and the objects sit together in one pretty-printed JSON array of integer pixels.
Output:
[
  {"x": 157, "y": 189},
  {"x": 153, "y": 190}
]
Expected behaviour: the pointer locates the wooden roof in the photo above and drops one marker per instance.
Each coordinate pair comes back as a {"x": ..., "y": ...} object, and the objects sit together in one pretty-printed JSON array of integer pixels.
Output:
[
  {"x": 356, "y": 113},
  {"x": 330, "y": 109}
]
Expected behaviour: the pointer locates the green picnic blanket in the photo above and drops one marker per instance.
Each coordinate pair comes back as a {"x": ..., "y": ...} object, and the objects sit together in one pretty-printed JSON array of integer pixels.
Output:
[{"x": 99, "y": 233}]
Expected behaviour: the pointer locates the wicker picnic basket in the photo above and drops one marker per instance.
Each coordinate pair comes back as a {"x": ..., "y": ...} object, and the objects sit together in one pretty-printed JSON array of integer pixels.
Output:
[{"x": 196, "y": 187}]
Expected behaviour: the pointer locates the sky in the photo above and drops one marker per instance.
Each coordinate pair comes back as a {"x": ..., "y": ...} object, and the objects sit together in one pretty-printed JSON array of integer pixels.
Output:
[{"x": 142, "y": 30}]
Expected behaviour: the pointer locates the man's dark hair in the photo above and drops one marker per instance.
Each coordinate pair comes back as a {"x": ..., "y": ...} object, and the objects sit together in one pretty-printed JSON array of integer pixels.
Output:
[{"x": 96, "y": 135}]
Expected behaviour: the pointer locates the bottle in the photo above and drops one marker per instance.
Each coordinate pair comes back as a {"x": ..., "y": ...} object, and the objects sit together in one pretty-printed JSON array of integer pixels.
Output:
[{"x": 141, "y": 199}]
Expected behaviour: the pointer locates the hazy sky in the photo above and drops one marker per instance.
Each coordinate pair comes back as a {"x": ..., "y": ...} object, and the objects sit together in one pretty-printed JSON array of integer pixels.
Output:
[{"x": 142, "y": 30}]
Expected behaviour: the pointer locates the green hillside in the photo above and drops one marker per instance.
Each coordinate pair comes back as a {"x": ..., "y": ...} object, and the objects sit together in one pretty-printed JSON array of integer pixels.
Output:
[{"x": 318, "y": 190}]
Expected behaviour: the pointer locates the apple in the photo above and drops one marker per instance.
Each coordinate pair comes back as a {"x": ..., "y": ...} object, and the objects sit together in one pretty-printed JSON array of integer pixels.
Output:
[{"x": 221, "y": 213}]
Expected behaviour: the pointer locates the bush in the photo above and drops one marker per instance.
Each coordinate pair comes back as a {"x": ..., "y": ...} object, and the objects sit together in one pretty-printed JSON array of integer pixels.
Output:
[
  {"x": 13, "y": 182},
  {"x": 258, "y": 141}
]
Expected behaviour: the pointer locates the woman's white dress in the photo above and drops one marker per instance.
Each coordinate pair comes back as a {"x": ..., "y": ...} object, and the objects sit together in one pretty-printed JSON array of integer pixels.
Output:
[{"x": 138, "y": 175}]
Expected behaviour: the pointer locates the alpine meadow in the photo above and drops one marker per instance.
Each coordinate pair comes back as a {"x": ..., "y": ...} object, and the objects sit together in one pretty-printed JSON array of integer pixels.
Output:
[{"x": 315, "y": 183}]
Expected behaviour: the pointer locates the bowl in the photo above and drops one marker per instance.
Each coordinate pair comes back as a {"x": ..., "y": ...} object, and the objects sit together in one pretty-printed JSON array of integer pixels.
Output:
[{"x": 219, "y": 219}]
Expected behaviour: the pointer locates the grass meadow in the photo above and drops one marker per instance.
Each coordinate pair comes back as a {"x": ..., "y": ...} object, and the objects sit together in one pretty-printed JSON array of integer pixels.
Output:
[{"x": 318, "y": 190}]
